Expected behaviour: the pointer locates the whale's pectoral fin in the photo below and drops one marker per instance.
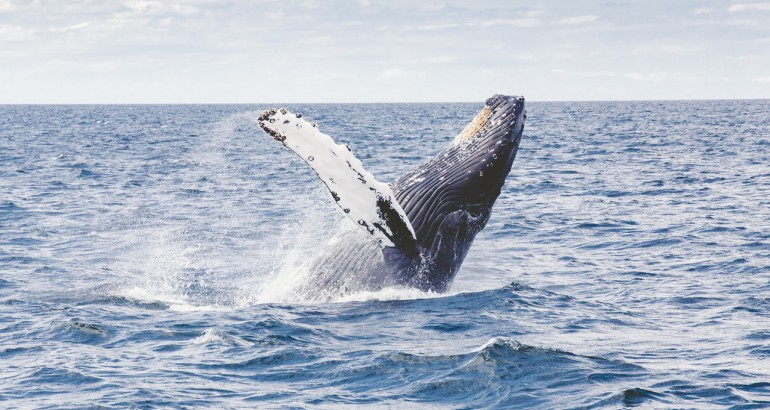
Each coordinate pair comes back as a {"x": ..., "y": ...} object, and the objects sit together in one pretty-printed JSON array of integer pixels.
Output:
[{"x": 366, "y": 201}]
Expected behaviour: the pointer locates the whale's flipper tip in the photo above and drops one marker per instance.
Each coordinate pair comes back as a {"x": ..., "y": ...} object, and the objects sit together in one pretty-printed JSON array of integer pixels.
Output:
[{"x": 364, "y": 200}]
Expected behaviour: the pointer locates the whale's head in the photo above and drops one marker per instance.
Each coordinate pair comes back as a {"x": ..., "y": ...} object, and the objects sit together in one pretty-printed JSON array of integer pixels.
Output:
[
  {"x": 487, "y": 146},
  {"x": 449, "y": 199}
]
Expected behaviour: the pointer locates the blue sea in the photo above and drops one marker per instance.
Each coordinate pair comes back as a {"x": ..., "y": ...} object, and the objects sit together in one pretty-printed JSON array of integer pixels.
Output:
[{"x": 145, "y": 252}]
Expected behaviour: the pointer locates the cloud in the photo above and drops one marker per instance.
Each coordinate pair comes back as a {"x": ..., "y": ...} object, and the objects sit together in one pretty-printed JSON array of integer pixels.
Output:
[
  {"x": 446, "y": 59},
  {"x": 275, "y": 15},
  {"x": 93, "y": 67},
  {"x": 15, "y": 33},
  {"x": 73, "y": 27},
  {"x": 749, "y": 7},
  {"x": 525, "y": 57},
  {"x": 378, "y": 47},
  {"x": 654, "y": 77},
  {"x": 6, "y": 5},
  {"x": 395, "y": 73},
  {"x": 316, "y": 40},
  {"x": 667, "y": 49},
  {"x": 588, "y": 74},
  {"x": 156, "y": 7},
  {"x": 573, "y": 21},
  {"x": 429, "y": 27},
  {"x": 745, "y": 22},
  {"x": 400, "y": 73},
  {"x": 511, "y": 22},
  {"x": 674, "y": 49}
]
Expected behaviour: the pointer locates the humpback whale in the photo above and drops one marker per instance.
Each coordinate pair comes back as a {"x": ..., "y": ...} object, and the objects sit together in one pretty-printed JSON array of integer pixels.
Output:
[{"x": 416, "y": 231}]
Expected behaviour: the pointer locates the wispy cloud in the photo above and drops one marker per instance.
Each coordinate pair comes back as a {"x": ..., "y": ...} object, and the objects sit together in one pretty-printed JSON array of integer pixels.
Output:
[
  {"x": 654, "y": 77},
  {"x": 667, "y": 49},
  {"x": 765, "y": 79},
  {"x": 156, "y": 7},
  {"x": 527, "y": 22},
  {"x": 72, "y": 27},
  {"x": 573, "y": 21},
  {"x": 749, "y": 7},
  {"x": 10, "y": 33},
  {"x": 439, "y": 26},
  {"x": 585, "y": 74},
  {"x": 431, "y": 60}
]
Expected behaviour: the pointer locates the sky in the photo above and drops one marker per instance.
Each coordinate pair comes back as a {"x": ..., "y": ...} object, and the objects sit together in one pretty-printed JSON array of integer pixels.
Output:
[{"x": 229, "y": 51}]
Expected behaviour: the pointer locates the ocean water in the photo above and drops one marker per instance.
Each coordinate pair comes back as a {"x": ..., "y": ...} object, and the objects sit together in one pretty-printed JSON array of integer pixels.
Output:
[{"x": 146, "y": 253}]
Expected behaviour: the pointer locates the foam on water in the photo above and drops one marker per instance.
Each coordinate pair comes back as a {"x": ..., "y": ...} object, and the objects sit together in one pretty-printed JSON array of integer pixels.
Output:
[{"x": 213, "y": 336}]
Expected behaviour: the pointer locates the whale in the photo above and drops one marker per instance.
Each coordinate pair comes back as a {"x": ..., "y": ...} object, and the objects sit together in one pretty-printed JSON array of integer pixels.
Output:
[{"x": 416, "y": 231}]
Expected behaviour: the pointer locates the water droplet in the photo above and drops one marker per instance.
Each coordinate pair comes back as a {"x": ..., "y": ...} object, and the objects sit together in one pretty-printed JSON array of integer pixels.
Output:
[
  {"x": 481, "y": 173},
  {"x": 310, "y": 158}
]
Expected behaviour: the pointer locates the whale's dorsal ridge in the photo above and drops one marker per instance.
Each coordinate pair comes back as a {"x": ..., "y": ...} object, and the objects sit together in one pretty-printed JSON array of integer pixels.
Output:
[{"x": 369, "y": 203}]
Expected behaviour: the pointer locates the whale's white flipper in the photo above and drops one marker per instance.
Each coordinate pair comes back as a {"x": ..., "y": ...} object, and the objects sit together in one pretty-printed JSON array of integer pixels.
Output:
[{"x": 366, "y": 201}]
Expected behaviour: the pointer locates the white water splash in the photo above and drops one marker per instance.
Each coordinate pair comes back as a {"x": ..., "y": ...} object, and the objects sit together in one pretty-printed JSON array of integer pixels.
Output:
[{"x": 222, "y": 253}]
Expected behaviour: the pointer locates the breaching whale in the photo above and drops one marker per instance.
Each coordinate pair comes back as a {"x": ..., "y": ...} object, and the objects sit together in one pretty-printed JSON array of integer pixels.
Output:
[{"x": 416, "y": 231}]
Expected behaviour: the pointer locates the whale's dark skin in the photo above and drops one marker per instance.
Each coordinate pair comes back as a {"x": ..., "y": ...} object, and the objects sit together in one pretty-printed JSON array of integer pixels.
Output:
[{"x": 448, "y": 200}]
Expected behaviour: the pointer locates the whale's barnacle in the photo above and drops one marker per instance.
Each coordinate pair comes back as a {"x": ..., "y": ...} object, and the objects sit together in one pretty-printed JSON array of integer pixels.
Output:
[{"x": 266, "y": 114}]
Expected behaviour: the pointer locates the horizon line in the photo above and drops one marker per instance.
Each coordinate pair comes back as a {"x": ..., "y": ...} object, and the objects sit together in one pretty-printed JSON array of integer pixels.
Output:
[{"x": 380, "y": 102}]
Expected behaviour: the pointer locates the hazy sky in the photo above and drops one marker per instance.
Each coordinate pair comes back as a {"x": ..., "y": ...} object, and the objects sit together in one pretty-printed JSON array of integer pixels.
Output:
[{"x": 145, "y": 51}]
